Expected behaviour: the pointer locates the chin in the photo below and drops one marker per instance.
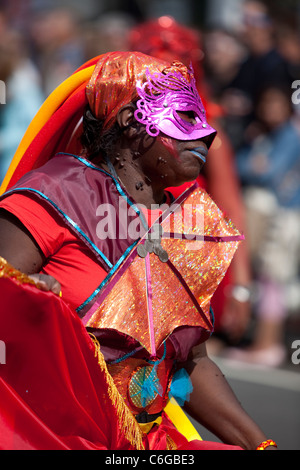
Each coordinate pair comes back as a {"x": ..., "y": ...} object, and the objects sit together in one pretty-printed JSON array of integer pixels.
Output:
[
  {"x": 185, "y": 182},
  {"x": 192, "y": 174},
  {"x": 187, "y": 175}
]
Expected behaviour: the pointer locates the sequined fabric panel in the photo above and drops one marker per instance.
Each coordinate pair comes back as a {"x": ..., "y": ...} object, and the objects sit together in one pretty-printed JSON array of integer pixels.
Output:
[
  {"x": 125, "y": 306},
  {"x": 181, "y": 289}
]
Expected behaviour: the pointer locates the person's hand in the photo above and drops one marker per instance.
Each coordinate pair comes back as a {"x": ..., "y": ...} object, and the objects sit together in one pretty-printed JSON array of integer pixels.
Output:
[{"x": 46, "y": 283}]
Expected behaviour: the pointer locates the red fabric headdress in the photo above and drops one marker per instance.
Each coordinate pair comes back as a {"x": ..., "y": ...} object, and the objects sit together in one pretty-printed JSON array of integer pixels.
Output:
[
  {"x": 107, "y": 82},
  {"x": 113, "y": 83},
  {"x": 168, "y": 40}
]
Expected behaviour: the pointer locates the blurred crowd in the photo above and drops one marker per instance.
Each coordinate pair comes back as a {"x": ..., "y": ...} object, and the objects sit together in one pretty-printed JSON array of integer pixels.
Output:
[{"x": 245, "y": 77}]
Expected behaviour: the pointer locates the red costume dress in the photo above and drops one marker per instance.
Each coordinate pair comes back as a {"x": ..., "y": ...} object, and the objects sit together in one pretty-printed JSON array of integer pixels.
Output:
[
  {"x": 73, "y": 261},
  {"x": 63, "y": 390}
]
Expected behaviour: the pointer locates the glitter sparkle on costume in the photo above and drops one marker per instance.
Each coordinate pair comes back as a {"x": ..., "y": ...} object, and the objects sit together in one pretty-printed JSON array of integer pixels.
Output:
[{"x": 181, "y": 288}]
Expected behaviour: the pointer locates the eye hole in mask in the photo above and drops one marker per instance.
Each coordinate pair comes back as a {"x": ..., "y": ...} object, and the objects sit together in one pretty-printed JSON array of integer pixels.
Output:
[{"x": 170, "y": 104}]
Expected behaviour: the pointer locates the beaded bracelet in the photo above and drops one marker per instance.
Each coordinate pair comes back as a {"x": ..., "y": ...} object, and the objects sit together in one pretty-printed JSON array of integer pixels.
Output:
[{"x": 266, "y": 444}]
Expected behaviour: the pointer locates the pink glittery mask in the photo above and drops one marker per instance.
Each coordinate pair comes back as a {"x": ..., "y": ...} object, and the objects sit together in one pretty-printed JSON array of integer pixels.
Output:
[{"x": 163, "y": 95}]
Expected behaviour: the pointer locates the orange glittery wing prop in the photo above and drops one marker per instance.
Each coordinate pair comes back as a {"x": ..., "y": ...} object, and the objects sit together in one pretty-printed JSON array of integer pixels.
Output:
[{"x": 162, "y": 296}]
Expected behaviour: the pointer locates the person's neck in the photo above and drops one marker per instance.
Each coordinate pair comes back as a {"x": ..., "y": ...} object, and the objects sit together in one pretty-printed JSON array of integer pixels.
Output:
[
  {"x": 144, "y": 193},
  {"x": 142, "y": 189}
]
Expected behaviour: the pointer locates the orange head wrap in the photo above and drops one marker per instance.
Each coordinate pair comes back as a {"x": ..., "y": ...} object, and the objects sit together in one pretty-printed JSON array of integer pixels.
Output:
[
  {"x": 113, "y": 83},
  {"x": 106, "y": 82}
]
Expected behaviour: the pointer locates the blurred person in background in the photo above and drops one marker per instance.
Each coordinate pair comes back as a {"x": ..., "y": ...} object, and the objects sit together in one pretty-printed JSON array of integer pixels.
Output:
[
  {"x": 269, "y": 168},
  {"x": 166, "y": 39},
  {"x": 3, "y": 24},
  {"x": 57, "y": 44},
  {"x": 264, "y": 62},
  {"x": 288, "y": 44},
  {"x": 261, "y": 64},
  {"x": 23, "y": 91},
  {"x": 223, "y": 55},
  {"x": 109, "y": 32}
]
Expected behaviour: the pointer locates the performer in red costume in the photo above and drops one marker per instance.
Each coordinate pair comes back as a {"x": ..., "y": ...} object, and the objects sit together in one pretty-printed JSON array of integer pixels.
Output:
[
  {"x": 166, "y": 39},
  {"x": 105, "y": 316}
]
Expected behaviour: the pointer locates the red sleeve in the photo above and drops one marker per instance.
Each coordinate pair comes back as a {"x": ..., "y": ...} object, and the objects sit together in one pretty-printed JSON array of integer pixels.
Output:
[
  {"x": 41, "y": 221},
  {"x": 67, "y": 256}
]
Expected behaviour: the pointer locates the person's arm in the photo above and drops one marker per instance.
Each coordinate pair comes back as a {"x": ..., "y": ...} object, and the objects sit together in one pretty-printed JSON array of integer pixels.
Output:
[
  {"x": 18, "y": 248},
  {"x": 214, "y": 405}
]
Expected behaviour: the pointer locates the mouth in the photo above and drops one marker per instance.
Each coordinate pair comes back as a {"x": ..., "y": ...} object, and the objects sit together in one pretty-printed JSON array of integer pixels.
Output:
[{"x": 200, "y": 152}]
